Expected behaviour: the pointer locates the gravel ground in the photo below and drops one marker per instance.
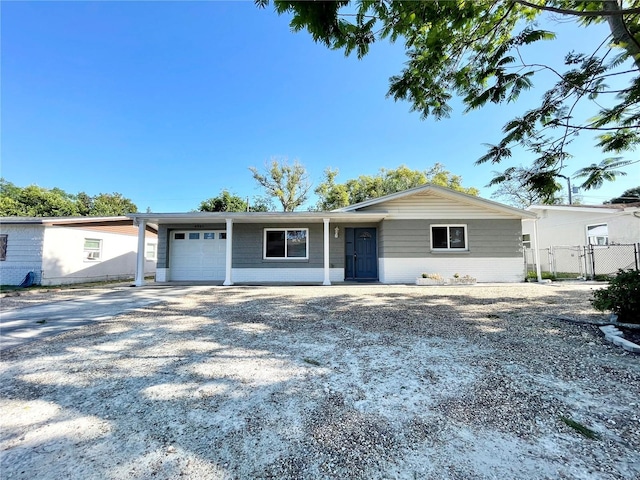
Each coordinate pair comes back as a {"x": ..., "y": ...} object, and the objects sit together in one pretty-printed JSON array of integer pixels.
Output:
[{"x": 327, "y": 382}]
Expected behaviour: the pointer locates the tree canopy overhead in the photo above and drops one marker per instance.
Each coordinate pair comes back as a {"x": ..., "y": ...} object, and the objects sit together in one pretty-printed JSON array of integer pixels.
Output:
[
  {"x": 334, "y": 195},
  {"x": 229, "y": 202},
  {"x": 35, "y": 201},
  {"x": 476, "y": 50},
  {"x": 289, "y": 184}
]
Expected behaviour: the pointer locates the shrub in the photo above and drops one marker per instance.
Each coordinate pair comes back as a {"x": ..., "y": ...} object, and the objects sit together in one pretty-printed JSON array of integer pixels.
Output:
[{"x": 621, "y": 297}]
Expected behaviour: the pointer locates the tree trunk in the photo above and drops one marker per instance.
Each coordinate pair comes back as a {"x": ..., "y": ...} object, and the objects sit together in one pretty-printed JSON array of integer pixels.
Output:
[{"x": 620, "y": 33}]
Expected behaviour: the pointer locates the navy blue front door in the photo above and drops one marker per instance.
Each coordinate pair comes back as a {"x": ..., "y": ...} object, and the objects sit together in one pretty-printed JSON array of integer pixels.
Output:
[{"x": 361, "y": 262}]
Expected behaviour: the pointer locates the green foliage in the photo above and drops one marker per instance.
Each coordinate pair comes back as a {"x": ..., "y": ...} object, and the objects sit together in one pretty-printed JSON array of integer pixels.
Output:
[
  {"x": 337, "y": 195},
  {"x": 35, "y": 201},
  {"x": 628, "y": 196},
  {"x": 513, "y": 189},
  {"x": 228, "y": 202},
  {"x": 621, "y": 297},
  {"x": 580, "y": 428},
  {"x": 289, "y": 184},
  {"x": 476, "y": 51}
]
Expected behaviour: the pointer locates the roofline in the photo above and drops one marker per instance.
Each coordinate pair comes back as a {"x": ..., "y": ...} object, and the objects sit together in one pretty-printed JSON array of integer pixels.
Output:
[
  {"x": 47, "y": 220},
  {"x": 576, "y": 208},
  {"x": 255, "y": 217},
  {"x": 448, "y": 192}
]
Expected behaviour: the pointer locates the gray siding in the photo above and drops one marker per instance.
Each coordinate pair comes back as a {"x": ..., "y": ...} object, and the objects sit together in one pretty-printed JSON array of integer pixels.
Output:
[
  {"x": 248, "y": 244},
  {"x": 486, "y": 238}
]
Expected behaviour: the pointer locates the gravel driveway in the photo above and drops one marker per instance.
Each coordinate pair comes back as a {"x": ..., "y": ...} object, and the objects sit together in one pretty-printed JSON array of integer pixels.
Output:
[{"x": 328, "y": 382}]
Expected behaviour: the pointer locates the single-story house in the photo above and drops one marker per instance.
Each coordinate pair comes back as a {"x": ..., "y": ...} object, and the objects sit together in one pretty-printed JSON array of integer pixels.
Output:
[
  {"x": 72, "y": 249},
  {"x": 580, "y": 225},
  {"x": 392, "y": 239}
]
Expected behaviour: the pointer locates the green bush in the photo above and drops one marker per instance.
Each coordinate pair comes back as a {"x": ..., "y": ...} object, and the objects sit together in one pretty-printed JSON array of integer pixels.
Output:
[{"x": 621, "y": 297}]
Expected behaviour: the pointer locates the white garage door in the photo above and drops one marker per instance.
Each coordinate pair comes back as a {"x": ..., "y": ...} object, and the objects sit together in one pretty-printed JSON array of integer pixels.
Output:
[{"x": 197, "y": 255}]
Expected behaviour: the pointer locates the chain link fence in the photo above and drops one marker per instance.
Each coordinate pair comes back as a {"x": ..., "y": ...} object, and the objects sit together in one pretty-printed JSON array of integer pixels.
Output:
[{"x": 591, "y": 261}]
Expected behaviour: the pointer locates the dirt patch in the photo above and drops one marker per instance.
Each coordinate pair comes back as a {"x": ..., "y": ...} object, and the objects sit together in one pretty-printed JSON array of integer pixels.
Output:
[{"x": 327, "y": 382}]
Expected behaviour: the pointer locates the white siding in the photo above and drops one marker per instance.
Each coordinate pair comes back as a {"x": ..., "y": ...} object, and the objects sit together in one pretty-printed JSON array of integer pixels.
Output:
[
  {"x": 427, "y": 205},
  {"x": 64, "y": 262},
  {"x": 24, "y": 253},
  {"x": 261, "y": 275},
  {"x": 405, "y": 270}
]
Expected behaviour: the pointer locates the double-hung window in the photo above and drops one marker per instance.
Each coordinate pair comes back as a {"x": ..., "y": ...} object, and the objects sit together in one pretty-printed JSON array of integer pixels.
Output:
[
  {"x": 449, "y": 237},
  {"x": 92, "y": 249},
  {"x": 286, "y": 243},
  {"x": 150, "y": 253}
]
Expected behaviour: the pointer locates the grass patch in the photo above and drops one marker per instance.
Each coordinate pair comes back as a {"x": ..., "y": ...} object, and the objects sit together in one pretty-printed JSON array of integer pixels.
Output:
[
  {"x": 311, "y": 361},
  {"x": 580, "y": 428}
]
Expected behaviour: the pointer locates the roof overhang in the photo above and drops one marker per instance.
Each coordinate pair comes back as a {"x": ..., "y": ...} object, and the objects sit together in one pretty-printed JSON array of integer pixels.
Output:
[{"x": 257, "y": 217}]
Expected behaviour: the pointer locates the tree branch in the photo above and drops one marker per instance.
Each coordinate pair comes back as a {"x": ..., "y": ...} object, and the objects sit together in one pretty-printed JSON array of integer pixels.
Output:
[{"x": 579, "y": 13}]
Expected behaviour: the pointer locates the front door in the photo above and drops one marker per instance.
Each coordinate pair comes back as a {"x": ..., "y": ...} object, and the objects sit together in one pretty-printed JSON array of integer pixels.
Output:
[{"x": 361, "y": 262}]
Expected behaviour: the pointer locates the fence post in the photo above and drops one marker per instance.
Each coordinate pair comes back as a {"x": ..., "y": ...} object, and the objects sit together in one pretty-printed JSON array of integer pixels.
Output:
[
  {"x": 593, "y": 263},
  {"x": 636, "y": 254}
]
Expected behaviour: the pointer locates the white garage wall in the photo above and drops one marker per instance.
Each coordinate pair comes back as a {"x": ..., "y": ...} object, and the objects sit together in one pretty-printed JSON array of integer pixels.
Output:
[{"x": 24, "y": 253}]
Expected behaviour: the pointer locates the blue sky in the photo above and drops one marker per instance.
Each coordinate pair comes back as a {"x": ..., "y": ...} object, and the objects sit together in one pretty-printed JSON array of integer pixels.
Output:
[{"x": 170, "y": 102}]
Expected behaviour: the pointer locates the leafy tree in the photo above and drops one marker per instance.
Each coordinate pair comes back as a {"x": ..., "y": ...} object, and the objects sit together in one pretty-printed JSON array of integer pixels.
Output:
[
  {"x": 597, "y": 174},
  {"x": 513, "y": 191},
  {"x": 35, "y": 201},
  {"x": 477, "y": 50},
  {"x": 628, "y": 196},
  {"x": 108, "y": 204},
  {"x": 289, "y": 184},
  {"x": 334, "y": 195},
  {"x": 228, "y": 202}
]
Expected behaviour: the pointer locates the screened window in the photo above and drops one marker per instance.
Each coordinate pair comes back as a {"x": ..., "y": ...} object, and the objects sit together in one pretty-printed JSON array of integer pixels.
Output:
[
  {"x": 286, "y": 243},
  {"x": 598, "y": 234},
  {"x": 3, "y": 247},
  {"x": 92, "y": 249},
  {"x": 449, "y": 237},
  {"x": 526, "y": 240}
]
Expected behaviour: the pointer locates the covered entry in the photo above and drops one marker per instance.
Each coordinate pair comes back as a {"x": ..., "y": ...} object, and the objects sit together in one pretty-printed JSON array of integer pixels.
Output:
[
  {"x": 361, "y": 254},
  {"x": 197, "y": 255}
]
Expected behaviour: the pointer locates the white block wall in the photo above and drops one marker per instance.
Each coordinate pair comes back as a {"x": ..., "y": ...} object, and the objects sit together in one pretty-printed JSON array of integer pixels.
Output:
[
  {"x": 24, "y": 253},
  {"x": 64, "y": 260},
  {"x": 405, "y": 270},
  {"x": 250, "y": 275}
]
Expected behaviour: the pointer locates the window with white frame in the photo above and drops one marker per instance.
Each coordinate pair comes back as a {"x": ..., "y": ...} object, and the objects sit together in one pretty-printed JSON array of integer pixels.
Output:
[
  {"x": 286, "y": 243},
  {"x": 150, "y": 252},
  {"x": 92, "y": 249},
  {"x": 526, "y": 240},
  {"x": 3, "y": 247},
  {"x": 598, "y": 234},
  {"x": 449, "y": 237}
]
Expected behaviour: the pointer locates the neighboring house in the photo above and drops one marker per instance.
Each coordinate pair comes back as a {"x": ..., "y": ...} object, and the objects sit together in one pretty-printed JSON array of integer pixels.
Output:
[
  {"x": 580, "y": 225},
  {"x": 392, "y": 239},
  {"x": 72, "y": 249}
]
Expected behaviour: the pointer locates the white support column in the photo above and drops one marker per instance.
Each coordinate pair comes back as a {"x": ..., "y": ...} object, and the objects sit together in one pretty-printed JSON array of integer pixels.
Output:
[
  {"x": 142, "y": 229},
  {"x": 229, "y": 253},
  {"x": 327, "y": 280},
  {"x": 536, "y": 251}
]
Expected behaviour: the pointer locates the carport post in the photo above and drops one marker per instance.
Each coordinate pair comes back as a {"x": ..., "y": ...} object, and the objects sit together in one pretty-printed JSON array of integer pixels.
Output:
[
  {"x": 536, "y": 252},
  {"x": 229, "y": 253},
  {"x": 327, "y": 280},
  {"x": 142, "y": 228}
]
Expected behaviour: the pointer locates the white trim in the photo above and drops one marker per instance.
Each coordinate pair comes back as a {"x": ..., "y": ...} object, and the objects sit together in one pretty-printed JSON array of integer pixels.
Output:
[
  {"x": 228, "y": 277},
  {"x": 327, "y": 276},
  {"x": 285, "y": 230},
  {"x": 286, "y": 275},
  {"x": 449, "y": 249},
  {"x": 142, "y": 229}
]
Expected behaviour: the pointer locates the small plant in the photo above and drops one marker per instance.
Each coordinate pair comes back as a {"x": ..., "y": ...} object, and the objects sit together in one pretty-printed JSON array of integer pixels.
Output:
[
  {"x": 621, "y": 297},
  {"x": 580, "y": 428},
  {"x": 433, "y": 276}
]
